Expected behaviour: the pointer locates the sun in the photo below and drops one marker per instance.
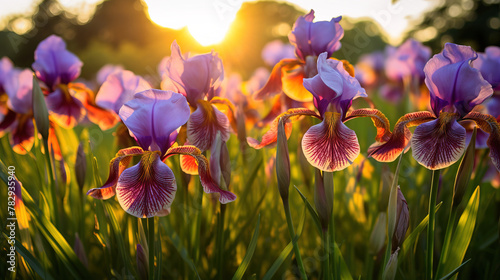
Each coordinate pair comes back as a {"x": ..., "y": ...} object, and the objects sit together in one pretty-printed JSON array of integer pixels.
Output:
[{"x": 207, "y": 21}]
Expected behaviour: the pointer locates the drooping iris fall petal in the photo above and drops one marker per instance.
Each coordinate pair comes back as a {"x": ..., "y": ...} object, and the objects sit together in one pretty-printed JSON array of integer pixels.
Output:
[
  {"x": 203, "y": 125},
  {"x": 22, "y": 136},
  {"x": 65, "y": 109},
  {"x": 54, "y": 64},
  {"x": 491, "y": 126},
  {"x": 330, "y": 145},
  {"x": 146, "y": 188},
  {"x": 439, "y": 143},
  {"x": 153, "y": 115},
  {"x": 208, "y": 183}
]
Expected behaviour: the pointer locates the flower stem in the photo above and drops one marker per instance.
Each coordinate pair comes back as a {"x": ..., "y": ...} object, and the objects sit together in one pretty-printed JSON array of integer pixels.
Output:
[
  {"x": 294, "y": 242},
  {"x": 326, "y": 251},
  {"x": 52, "y": 186},
  {"x": 220, "y": 241},
  {"x": 151, "y": 246},
  {"x": 432, "y": 222}
]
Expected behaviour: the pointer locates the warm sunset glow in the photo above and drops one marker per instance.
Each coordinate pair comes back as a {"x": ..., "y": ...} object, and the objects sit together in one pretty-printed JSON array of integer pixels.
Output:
[{"x": 207, "y": 21}]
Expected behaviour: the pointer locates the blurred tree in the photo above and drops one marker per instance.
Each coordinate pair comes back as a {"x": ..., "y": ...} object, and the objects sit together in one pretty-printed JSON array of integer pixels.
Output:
[{"x": 466, "y": 22}]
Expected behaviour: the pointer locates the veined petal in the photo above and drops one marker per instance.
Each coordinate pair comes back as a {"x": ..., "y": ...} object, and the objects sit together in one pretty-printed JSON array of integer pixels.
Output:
[
  {"x": 116, "y": 167},
  {"x": 227, "y": 108},
  {"x": 203, "y": 125},
  {"x": 330, "y": 145},
  {"x": 65, "y": 109},
  {"x": 188, "y": 163},
  {"x": 208, "y": 183},
  {"x": 380, "y": 122},
  {"x": 146, "y": 188},
  {"x": 22, "y": 137},
  {"x": 103, "y": 118},
  {"x": 292, "y": 78},
  {"x": 274, "y": 84},
  {"x": 271, "y": 136},
  {"x": 490, "y": 125},
  {"x": 389, "y": 150},
  {"x": 439, "y": 143}
]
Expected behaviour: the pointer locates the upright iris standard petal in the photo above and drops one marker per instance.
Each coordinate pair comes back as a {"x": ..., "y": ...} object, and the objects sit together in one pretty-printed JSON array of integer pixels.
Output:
[
  {"x": 204, "y": 124},
  {"x": 5, "y": 68},
  {"x": 439, "y": 143},
  {"x": 453, "y": 82},
  {"x": 54, "y": 64},
  {"x": 119, "y": 88},
  {"x": 146, "y": 188},
  {"x": 18, "y": 87},
  {"x": 153, "y": 115},
  {"x": 489, "y": 63},
  {"x": 194, "y": 77},
  {"x": 312, "y": 38},
  {"x": 330, "y": 145}
]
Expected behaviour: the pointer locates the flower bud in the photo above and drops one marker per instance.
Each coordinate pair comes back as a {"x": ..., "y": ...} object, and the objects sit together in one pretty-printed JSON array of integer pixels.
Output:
[
  {"x": 392, "y": 267},
  {"x": 40, "y": 112},
  {"x": 80, "y": 251},
  {"x": 323, "y": 198},
  {"x": 402, "y": 221},
  {"x": 225, "y": 164},
  {"x": 142, "y": 262},
  {"x": 282, "y": 162},
  {"x": 80, "y": 166}
]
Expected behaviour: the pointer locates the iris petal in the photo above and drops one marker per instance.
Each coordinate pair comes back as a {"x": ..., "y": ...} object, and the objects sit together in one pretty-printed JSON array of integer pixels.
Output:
[
  {"x": 488, "y": 124},
  {"x": 330, "y": 145},
  {"x": 22, "y": 138},
  {"x": 439, "y": 143},
  {"x": 292, "y": 77},
  {"x": 274, "y": 83},
  {"x": 208, "y": 183},
  {"x": 203, "y": 125},
  {"x": 116, "y": 167},
  {"x": 65, "y": 109},
  {"x": 146, "y": 188}
]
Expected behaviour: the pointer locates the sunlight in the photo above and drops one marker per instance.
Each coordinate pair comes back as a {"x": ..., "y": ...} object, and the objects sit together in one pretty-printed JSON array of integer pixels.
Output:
[{"x": 207, "y": 21}]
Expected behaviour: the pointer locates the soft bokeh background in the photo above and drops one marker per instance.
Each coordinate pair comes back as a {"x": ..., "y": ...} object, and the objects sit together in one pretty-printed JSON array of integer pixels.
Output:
[{"x": 121, "y": 32}]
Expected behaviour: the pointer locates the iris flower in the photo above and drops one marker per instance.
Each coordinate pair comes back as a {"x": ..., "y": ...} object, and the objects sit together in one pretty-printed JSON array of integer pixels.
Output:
[
  {"x": 68, "y": 102},
  {"x": 148, "y": 188},
  {"x": 5, "y": 69},
  {"x": 199, "y": 79},
  {"x": 455, "y": 89},
  {"x": 309, "y": 39},
  {"x": 329, "y": 145}
]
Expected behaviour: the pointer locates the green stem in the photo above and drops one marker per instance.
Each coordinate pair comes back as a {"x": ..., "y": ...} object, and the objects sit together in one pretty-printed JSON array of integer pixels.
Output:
[
  {"x": 333, "y": 258},
  {"x": 151, "y": 246},
  {"x": 432, "y": 222},
  {"x": 51, "y": 189},
  {"x": 195, "y": 236},
  {"x": 326, "y": 251},
  {"x": 220, "y": 241},
  {"x": 294, "y": 242}
]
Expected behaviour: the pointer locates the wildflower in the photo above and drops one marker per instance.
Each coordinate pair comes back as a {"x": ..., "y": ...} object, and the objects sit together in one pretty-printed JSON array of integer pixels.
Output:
[
  {"x": 455, "y": 89},
  {"x": 148, "y": 188}
]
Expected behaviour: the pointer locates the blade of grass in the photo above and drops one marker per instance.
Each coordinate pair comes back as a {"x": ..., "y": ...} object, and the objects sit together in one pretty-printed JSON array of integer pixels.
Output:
[
  {"x": 248, "y": 256},
  {"x": 455, "y": 271}
]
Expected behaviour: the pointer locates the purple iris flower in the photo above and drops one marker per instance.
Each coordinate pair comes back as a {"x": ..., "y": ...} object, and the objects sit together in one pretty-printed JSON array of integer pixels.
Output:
[
  {"x": 489, "y": 65},
  {"x": 455, "y": 89},
  {"x": 408, "y": 60},
  {"x": 148, "y": 188},
  {"x": 275, "y": 51}
]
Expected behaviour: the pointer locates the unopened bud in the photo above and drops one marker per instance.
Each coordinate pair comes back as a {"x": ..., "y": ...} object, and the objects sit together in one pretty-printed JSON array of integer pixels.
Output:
[
  {"x": 142, "y": 262},
  {"x": 402, "y": 221},
  {"x": 80, "y": 251},
  {"x": 225, "y": 164},
  {"x": 80, "y": 166},
  {"x": 282, "y": 161},
  {"x": 392, "y": 267}
]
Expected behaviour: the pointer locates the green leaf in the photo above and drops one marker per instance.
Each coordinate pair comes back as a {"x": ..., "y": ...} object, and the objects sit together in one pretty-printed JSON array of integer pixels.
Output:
[
  {"x": 462, "y": 234},
  {"x": 248, "y": 256},
  {"x": 311, "y": 210},
  {"x": 412, "y": 238},
  {"x": 455, "y": 271},
  {"x": 31, "y": 260},
  {"x": 464, "y": 171}
]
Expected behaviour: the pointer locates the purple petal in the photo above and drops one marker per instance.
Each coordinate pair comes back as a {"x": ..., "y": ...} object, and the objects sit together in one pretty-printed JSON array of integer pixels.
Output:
[
  {"x": 408, "y": 60},
  {"x": 18, "y": 86},
  {"x": 153, "y": 115},
  {"x": 330, "y": 145},
  {"x": 107, "y": 70},
  {"x": 439, "y": 143},
  {"x": 22, "y": 136},
  {"x": 491, "y": 126},
  {"x": 275, "y": 51},
  {"x": 489, "y": 63},
  {"x": 146, "y": 188},
  {"x": 65, "y": 109},
  {"x": 204, "y": 124},
  {"x": 54, "y": 64},
  {"x": 311, "y": 39},
  {"x": 119, "y": 88},
  {"x": 5, "y": 68},
  {"x": 452, "y": 81}
]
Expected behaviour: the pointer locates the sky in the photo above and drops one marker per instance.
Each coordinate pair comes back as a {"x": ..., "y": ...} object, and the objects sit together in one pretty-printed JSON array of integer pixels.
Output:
[{"x": 208, "y": 20}]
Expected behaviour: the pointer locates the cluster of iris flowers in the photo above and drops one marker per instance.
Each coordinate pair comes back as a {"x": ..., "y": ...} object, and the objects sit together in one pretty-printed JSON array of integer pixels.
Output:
[{"x": 194, "y": 111}]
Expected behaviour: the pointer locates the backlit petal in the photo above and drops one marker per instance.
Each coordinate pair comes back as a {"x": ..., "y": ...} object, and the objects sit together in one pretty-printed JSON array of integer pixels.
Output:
[
  {"x": 22, "y": 137},
  {"x": 65, "y": 109},
  {"x": 274, "y": 83},
  {"x": 488, "y": 124},
  {"x": 203, "y": 125},
  {"x": 439, "y": 143},
  {"x": 292, "y": 77},
  {"x": 380, "y": 122},
  {"x": 146, "y": 188},
  {"x": 330, "y": 145},
  {"x": 209, "y": 185}
]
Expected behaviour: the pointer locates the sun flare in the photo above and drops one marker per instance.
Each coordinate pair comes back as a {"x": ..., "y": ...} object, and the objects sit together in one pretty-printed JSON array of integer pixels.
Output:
[{"x": 207, "y": 21}]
